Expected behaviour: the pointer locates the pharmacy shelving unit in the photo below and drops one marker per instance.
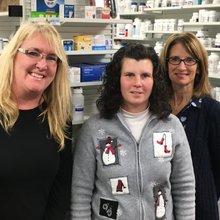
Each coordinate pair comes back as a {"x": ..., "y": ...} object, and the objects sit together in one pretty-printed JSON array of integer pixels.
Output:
[
  {"x": 68, "y": 28},
  {"x": 178, "y": 12},
  {"x": 8, "y": 25},
  {"x": 76, "y": 26}
]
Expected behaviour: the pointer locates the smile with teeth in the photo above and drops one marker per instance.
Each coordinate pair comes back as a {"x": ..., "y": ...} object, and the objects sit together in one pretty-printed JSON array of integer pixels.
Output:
[{"x": 37, "y": 75}]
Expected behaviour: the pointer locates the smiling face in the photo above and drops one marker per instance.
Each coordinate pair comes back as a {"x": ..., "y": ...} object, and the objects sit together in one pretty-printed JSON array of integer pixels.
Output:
[
  {"x": 136, "y": 84},
  {"x": 181, "y": 76},
  {"x": 31, "y": 77}
]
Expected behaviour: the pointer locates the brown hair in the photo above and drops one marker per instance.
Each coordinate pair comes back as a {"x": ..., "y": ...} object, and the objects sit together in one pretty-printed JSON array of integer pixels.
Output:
[{"x": 195, "y": 49}]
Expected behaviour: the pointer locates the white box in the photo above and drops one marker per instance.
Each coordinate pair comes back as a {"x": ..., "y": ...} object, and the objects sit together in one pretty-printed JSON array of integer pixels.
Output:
[
  {"x": 74, "y": 73},
  {"x": 90, "y": 12}
]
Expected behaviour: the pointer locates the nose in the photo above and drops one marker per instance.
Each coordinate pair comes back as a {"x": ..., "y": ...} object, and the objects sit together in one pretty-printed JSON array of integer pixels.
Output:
[
  {"x": 182, "y": 65},
  {"x": 42, "y": 63},
  {"x": 137, "y": 81}
]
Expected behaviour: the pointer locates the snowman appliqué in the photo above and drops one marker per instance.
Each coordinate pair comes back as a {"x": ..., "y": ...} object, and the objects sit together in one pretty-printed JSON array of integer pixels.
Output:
[
  {"x": 109, "y": 151},
  {"x": 160, "y": 202}
]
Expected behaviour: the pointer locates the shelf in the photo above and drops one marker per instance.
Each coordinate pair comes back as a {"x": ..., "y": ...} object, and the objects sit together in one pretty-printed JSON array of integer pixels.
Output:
[
  {"x": 83, "y": 84},
  {"x": 213, "y": 49},
  {"x": 170, "y": 9},
  {"x": 94, "y": 21},
  {"x": 162, "y": 32},
  {"x": 92, "y": 52},
  {"x": 217, "y": 77},
  {"x": 132, "y": 39},
  {"x": 201, "y": 23},
  {"x": 3, "y": 13},
  {"x": 158, "y": 9},
  {"x": 214, "y": 79},
  {"x": 207, "y": 6},
  {"x": 82, "y": 21},
  {"x": 132, "y": 14},
  {"x": 152, "y": 10}
]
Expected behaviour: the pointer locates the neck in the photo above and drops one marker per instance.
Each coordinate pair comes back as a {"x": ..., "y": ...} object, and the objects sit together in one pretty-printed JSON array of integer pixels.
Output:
[
  {"x": 28, "y": 102},
  {"x": 180, "y": 99}
]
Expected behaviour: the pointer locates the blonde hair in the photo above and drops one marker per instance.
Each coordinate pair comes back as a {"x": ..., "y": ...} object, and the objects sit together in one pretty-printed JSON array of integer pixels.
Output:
[
  {"x": 58, "y": 94},
  {"x": 193, "y": 46}
]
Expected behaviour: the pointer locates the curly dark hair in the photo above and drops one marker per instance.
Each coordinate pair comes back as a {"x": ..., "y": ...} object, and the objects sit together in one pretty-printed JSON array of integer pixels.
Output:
[{"x": 111, "y": 98}]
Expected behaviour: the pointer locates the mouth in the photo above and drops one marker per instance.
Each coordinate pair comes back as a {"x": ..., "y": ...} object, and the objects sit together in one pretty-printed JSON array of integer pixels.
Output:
[
  {"x": 182, "y": 74},
  {"x": 136, "y": 92},
  {"x": 37, "y": 75}
]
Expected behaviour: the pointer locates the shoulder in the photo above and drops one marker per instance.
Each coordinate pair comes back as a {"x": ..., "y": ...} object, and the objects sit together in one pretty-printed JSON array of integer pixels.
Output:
[
  {"x": 174, "y": 120},
  {"x": 211, "y": 106},
  {"x": 210, "y": 102},
  {"x": 94, "y": 121},
  {"x": 171, "y": 123}
]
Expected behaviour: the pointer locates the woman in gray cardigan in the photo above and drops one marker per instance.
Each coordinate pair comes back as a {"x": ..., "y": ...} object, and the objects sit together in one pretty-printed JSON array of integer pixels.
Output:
[{"x": 132, "y": 160}]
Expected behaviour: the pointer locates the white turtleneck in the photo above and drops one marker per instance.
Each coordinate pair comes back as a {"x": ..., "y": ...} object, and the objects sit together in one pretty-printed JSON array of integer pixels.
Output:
[{"x": 135, "y": 121}]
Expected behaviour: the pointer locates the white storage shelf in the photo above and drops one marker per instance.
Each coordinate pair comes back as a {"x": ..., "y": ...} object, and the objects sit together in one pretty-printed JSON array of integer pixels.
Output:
[
  {"x": 92, "y": 52},
  {"x": 133, "y": 39},
  {"x": 198, "y": 7},
  {"x": 201, "y": 23},
  {"x": 161, "y": 32},
  {"x": 96, "y": 21},
  {"x": 150, "y": 11},
  {"x": 4, "y": 14},
  {"x": 213, "y": 49},
  {"x": 82, "y": 21},
  {"x": 84, "y": 84}
]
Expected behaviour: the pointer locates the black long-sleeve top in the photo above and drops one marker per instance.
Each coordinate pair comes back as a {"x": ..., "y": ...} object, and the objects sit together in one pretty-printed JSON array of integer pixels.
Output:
[
  {"x": 35, "y": 177},
  {"x": 201, "y": 120}
]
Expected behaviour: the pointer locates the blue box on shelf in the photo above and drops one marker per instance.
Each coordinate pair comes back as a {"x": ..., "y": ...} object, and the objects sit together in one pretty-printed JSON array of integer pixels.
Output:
[
  {"x": 99, "y": 47},
  {"x": 92, "y": 72}
]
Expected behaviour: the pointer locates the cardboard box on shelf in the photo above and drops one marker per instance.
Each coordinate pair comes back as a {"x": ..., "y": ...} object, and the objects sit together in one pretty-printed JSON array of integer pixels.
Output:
[
  {"x": 66, "y": 11},
  {"x": 90, "y": 12},
  {"x": 92, "y": 72},
  {"x": 83, "y": 42},
  {"x": 48, "y": 8},
  {"x": 79, "y": 11},
  {"x": 99, "y": 42}
]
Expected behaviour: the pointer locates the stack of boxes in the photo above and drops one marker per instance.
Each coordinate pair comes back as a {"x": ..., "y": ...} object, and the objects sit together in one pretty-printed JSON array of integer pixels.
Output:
[
  {"x": 68, "y": 9},
  {"x": 85, "y": 72}
]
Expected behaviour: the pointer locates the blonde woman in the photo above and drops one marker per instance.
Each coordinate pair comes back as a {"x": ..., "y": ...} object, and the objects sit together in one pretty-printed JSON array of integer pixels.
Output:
[{"x": 35, "y": 131}]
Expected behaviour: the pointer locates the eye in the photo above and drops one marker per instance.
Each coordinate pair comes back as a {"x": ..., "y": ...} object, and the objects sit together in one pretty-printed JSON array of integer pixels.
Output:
[
  {"x": 33, "y": 53},
  {"x": 129, "y": 74},
  {"x": 175, "y": 59},
  {"x": 145, "y": 75},
  {"x": 52, "y": 57},
  {"x": 190, "y": 60}
]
